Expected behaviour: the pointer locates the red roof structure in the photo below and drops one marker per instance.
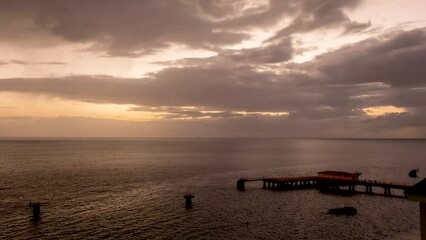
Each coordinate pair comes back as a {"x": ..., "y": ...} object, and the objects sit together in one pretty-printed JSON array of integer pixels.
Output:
[{"x": 337, "y": 174}]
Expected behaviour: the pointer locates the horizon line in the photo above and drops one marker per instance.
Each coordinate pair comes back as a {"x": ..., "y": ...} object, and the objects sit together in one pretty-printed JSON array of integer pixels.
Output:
[{"x": 206, "y": 138}]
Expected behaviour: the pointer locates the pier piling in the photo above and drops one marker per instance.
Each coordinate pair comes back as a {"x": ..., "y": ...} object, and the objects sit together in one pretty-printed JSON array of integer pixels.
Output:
[
  {"x": 36, "y": 210},
  {"x": 188, "y": 200},
  {"x": 241, "y": 184}
]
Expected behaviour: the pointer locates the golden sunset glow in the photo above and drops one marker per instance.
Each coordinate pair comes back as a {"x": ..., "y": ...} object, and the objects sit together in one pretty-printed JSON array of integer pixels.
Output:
[
  {"x": 42, "y": 106},
  {"x": 271, "y": 114},
  {"x": 383, "y": 110}
]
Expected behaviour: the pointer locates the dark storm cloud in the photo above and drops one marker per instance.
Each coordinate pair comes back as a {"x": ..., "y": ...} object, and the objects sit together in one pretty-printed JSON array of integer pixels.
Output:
[
  {"x": 212, "y": 89},
  {"x": 199, "y": 114},
  {"x": 20, "y": 62},
  {"x": 354, "y": 27},
  {"x": 416, "y": 118},
  {"x": 306, "y": 15},
  {"x": 408, "y": 97},
  {"x": 141, "y": 27},
  {"x": 223, "y": 88},
  {"x": 273, "y": 53},
  {"x": 218, "y": 9},
  {"x": 317, "y": 14},
  {"x": 133, "y": 28},
  {"x": 337, "y": 85},
  {"x": 325, "y": 113},
  {"x": 263, "y": 16},
  {"x": 377, "y": 72},
  {"x": 397, "y": 61}
]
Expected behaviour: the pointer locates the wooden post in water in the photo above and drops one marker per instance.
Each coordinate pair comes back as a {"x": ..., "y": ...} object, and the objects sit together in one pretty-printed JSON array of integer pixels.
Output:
[
  {"x": 387, "y": 191},
  {"x": 36, "y": 210},
  {"x": 188, "y": 200},
  {"x": 241, "y": 184},
  {"x": 368, "y": 189}
]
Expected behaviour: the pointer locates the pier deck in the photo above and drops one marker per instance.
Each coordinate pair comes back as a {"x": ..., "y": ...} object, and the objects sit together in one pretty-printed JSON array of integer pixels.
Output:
[{"x": 328, "y": 182}]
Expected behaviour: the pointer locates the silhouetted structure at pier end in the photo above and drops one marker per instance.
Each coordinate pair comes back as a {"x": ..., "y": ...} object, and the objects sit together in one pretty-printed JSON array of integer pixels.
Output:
[{"x": 418, "y": 193}]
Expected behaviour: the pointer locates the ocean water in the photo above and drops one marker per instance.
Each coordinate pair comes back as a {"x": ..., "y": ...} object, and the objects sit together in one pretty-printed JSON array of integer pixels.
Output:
[{"x": 134, "y": 188}]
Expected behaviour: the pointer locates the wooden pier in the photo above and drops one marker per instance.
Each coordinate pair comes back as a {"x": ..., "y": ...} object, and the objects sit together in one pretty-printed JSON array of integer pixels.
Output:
[{"x": 329, "y": 180}]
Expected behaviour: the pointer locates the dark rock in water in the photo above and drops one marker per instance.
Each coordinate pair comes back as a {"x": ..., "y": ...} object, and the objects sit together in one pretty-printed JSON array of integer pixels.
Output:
[
  {"x": 413, "y": 173},
  {"x": 343, "y": 211}
]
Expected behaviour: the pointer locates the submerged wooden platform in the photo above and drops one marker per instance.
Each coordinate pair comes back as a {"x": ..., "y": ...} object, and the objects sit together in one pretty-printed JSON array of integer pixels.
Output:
[{"x": 344, "y": 182}]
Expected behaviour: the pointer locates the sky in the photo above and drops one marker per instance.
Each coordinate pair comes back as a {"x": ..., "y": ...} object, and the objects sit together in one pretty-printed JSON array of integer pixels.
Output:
[{"x": 213, "y": 68}]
